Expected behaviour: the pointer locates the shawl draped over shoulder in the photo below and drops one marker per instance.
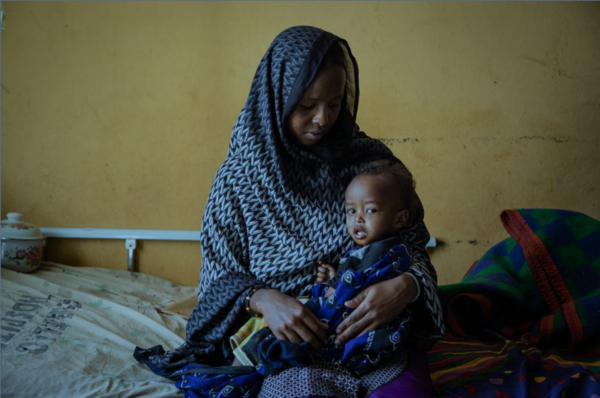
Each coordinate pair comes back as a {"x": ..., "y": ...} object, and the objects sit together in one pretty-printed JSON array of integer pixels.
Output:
[{"x": 276, "y": 208}]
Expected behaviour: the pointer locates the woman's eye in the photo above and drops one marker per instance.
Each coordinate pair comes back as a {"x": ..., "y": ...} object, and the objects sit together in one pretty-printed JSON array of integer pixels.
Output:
[
  {"x": 307, "y": 106},
  {"x": 334, "y": 105}
]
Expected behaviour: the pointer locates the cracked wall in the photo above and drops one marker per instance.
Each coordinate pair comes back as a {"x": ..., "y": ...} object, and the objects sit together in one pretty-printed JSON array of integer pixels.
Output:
[{"x": 118, "y": 114}]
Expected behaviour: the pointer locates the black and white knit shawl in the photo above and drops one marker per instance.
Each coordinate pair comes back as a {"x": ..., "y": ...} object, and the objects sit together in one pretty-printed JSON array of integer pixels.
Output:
[{"x": 276, "y": 208}]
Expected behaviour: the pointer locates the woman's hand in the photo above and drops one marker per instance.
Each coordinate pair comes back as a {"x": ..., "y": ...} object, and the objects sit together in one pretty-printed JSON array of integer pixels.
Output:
[
  {"x": 376, "y": 307},
  {"x": 288, "y": 318}
]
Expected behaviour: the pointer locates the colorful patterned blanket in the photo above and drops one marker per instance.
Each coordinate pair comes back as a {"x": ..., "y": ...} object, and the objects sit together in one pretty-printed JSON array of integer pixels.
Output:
[{"x": 525, "y": 319}]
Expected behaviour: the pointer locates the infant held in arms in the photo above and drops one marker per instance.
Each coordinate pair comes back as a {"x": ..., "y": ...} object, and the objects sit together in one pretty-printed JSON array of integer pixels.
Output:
[{"x": 378, "y": 204}]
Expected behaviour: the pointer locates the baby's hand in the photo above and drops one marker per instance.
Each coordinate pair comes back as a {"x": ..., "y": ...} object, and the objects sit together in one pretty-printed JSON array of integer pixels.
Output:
[{"x": 325, "y": 272}]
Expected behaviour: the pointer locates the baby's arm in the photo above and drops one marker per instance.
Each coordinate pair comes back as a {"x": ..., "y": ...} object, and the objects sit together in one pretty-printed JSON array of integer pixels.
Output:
[{"x": 325, "y": 272}]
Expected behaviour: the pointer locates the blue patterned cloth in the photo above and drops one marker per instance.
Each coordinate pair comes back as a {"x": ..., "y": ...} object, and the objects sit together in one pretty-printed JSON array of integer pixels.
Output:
[
  {"x": 360, "y": 355},
  {"x": 364, "y": 352}
]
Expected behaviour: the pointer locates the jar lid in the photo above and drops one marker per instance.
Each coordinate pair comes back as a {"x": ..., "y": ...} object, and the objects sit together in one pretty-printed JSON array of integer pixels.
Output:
[{"x": 15, "y": 228}]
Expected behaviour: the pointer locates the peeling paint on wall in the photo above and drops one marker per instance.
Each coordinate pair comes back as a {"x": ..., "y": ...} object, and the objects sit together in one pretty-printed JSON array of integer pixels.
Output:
[
  {"x": 392, "y": 141},
  {"x": 440, "y": 242},
  {"x": 556, "y": 139},
  {"x": 469, "y": 241}
]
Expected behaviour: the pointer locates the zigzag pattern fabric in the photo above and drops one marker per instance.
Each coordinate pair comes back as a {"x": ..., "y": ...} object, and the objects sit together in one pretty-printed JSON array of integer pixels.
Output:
[{"x": 276, "y": 208}]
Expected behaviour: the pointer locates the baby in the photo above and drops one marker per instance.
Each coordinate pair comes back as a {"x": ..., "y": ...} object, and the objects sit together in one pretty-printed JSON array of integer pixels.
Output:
[
  {"x": 378, "y": 204},
  {"x": 379, "y": 201}
]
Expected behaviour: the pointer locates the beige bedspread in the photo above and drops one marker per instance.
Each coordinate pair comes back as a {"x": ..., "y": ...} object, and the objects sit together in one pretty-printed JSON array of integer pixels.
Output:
[{"x": 71, "y": 331}]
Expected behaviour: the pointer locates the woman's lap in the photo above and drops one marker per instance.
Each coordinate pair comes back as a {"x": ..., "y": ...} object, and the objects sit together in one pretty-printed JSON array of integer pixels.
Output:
[
  {"x": 325, "y": 380},
  {"x": 414, "y": 382}
]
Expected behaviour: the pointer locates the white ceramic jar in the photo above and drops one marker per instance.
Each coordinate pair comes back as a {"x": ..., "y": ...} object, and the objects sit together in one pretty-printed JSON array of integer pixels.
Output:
[{"x": 22, "y": 244}]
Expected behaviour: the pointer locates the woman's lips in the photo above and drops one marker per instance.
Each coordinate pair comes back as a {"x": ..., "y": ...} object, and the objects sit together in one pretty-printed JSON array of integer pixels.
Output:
[{"x": 315, "y": 135}]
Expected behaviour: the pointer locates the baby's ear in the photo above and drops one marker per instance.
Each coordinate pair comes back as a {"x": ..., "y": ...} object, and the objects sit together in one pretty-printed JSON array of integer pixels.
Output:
[{"x": 401, "y": 219}]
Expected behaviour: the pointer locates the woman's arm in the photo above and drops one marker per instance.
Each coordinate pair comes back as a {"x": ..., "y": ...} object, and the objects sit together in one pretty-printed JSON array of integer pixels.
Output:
[
  {"x": 225, "y": 276},
  {"x": 227, "y": 263}
]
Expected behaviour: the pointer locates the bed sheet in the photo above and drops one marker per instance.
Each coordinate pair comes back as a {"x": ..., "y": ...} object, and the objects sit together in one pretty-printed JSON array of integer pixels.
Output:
[{"x": 71, "y": 331}]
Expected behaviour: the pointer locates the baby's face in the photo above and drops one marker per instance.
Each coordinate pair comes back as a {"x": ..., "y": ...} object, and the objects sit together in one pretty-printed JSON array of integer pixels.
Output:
[{"x": 372, "y": 211}]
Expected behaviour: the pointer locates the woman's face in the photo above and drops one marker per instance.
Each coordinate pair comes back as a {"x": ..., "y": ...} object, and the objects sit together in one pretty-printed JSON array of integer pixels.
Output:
[{"x": 319, "y": 107}]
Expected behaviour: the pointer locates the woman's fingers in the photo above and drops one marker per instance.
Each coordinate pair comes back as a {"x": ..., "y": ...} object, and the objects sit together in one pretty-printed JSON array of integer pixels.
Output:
[
  {"x": 375, "y": 307},
  {"x": 358, "y": 313},
  {"x": 311, "y": 331},
  {"x": 353, "y": 330},
  {"x": 305, "y": 334},
  {"x": 290, "y": 320},
  {"x": 358, "y": 299},
  {"x": 353, "y": 325},
  {"x": 357, "y": 328},
  {"x": 369, "y": 329},
  {"x": 318, "y": 328},
  {"x": 279, "y": 335},
  {"x": 292, "y": 335}
]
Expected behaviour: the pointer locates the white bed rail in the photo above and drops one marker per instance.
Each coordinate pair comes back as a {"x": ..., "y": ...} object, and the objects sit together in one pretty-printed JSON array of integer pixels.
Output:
[{"x": 131, "y": 236}]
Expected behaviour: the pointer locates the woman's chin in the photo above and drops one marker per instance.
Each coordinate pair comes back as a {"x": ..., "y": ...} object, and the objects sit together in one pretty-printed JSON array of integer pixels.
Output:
[{"x": 311, "y": 139}]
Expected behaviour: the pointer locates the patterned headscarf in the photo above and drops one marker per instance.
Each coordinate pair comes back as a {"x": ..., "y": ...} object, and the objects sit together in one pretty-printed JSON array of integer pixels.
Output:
[{"x": 276, "y": 208}]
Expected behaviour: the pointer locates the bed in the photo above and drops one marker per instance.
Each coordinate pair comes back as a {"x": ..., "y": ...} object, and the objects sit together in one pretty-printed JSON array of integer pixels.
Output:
[
  {"x": 71, "y": 331},
  {"x": 524, "y": 321}
]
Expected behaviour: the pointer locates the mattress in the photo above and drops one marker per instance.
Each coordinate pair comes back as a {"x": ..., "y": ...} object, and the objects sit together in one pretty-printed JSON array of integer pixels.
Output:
[{"x": 71, "y": 331}]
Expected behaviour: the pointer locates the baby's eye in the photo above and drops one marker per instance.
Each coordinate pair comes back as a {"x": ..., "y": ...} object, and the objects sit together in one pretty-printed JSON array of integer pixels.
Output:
[
  {"x": 306, "y": 106},
  {"x": 350, "y": 211},
  {"x": 371, "y": 211}
]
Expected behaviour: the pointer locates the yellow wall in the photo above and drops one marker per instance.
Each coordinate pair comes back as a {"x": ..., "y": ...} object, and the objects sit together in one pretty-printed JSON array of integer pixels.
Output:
[{"x": 118, "y": 114}]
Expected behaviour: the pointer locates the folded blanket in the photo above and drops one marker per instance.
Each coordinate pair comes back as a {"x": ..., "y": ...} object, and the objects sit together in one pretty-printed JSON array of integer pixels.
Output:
[
  {"x": 525, "y": 319},
  {"x": 544, "y": 280}
]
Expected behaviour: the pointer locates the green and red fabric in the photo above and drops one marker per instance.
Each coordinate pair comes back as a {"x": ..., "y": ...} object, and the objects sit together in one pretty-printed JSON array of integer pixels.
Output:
[
  {"x": 537, "y": 291},
  {"x": 490, "y": 366}
]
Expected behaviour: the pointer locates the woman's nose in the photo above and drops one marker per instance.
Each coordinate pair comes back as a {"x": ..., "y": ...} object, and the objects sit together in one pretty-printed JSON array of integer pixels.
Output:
[{"x": 321, "y": 117}]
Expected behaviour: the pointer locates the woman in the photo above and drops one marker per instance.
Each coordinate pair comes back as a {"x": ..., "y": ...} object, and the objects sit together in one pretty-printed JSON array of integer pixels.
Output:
[{"x": 276, "y": 208}]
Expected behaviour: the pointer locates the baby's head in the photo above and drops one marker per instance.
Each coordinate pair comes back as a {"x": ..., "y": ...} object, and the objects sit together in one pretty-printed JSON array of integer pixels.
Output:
[{"x": 379, "y": 201}]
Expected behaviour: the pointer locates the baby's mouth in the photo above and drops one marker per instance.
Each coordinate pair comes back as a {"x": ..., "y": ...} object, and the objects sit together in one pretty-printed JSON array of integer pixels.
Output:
[{"x": 359, "y": 233}]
